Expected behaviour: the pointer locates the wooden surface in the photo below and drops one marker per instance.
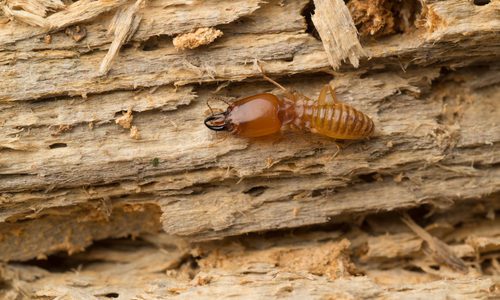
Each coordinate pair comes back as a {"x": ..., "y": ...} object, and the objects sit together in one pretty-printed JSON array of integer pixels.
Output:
[
  {"x": 87, "y": 155},
  {"x": 384, "y": 260}
]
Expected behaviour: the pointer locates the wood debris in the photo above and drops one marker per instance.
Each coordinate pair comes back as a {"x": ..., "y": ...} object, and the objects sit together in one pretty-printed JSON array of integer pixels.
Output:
[
  {"x": 122, "y": 27},
  {"x": 125, "y": 120},
  {"x": 196, "y": 38},
  {"x": 134, "y": 133},
  {"x": 439, "y": 250},
  {"x": 338, "y": 33},
  {"x": 382, "y": 17},
  {"x": 26, "y": 17},
  {"x": 77, "y": 33},
  {"x": 82, "y": 201},
  {"x": 36, "y": 7}
]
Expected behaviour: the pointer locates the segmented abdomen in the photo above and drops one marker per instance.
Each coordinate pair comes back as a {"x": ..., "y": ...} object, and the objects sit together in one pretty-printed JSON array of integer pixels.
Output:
[{"x": 337, "y": 120}]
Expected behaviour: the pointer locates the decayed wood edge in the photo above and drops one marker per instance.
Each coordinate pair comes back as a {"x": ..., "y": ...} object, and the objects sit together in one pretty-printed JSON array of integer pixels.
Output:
[
  {"x": 438, "y": 250},
  {"x": 82, "y": 111},
  {"x": 150, "y": 68},
  {"x": 208, "y": 202},
  {"x": 302, "y": 54},
  {"x": 72, "y": 229},
  {"x": 208, "y": 283},
  {"x": 163, "y": 17},
  {"x": 243, "y": 172},
  {"x": 319, "y": 265},
  {"x": 75, "y": 13},
  {"x": 338, "y": 34}
]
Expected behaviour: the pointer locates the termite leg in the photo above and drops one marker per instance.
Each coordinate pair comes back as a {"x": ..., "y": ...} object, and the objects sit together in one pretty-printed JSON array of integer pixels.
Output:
[
  {"x": 209, "y": 107},
  {"x": 336, "y": 152},
  {"x": 261, "y": 69},
  {"x": 331, "y": 157},
  {"x": 322, "y": 95},
  {"x": 334, "y": 95},
  {"x": 340, "y": 147}
]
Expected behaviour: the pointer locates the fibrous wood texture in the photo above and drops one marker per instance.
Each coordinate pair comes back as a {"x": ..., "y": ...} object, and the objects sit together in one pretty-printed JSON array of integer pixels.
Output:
[{"x": 89, "y": 152}]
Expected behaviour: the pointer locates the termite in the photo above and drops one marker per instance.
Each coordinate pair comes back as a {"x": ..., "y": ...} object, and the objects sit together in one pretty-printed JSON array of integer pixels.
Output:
[{"x": 265, "y": 114}]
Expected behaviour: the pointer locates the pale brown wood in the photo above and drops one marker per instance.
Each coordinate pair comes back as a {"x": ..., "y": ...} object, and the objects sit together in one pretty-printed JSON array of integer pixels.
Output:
[
  {"x": 87, "y": 155},
  {"x": 338, "y": 34},
  {"x": 312, "y": 264}
]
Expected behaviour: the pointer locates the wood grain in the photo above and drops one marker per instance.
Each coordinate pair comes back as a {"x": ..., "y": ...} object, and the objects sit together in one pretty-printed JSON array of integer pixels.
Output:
[{"x": 86, "y": 156}]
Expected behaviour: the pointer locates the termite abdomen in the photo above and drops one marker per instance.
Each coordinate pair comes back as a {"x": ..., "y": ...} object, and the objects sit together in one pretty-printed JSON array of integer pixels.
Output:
[{"x": 338, "y": 120}]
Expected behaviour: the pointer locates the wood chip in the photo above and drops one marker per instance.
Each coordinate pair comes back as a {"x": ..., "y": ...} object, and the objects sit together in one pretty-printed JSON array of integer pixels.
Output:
[
  {"x": 337, "y": 31},
  {"x": 196, "y": 38},
  {"x": 123, "y": 27},
  {"x": 440, "y": 251}
]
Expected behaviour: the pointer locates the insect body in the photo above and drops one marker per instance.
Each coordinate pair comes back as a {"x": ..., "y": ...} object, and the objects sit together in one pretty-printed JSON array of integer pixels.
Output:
[{"x": 265, "y": 114}]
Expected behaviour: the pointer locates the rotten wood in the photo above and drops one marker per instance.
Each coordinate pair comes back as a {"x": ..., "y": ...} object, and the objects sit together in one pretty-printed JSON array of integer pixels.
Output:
[
  {"x": 336, "y": 28},
  {"x": 87, "y": 155},
  {"x": 269, "y": 265}
]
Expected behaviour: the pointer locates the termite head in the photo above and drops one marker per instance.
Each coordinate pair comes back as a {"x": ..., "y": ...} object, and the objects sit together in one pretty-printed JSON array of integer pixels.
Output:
[
  {"x": 218, "y": 122},
  {"x": 252, "y": 116}
]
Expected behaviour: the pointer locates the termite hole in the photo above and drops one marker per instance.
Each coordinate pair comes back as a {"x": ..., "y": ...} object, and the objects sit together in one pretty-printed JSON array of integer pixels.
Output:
[
  {"x": 256, "y": 191},
  {"x": 481, "y": 2},
  {"x": 156, "y": 42},
  {"x": 150, "y": 44},
  {"x": 57, "y": 145},
  {"x": 112, "y": 295},
  {"x": 317, "y": 193},
  {"x": 370, "y": 177},
  {"x": 307, "y": 12}
]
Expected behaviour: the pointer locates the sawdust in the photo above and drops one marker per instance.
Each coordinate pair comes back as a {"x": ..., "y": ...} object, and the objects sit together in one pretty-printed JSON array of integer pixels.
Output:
[
  {"x": 134, "y": 133},
  {"x": 484, "y": 244},
  {"x": 47, "y": 39},
  {"x": 329, "y": 259},
  {"x": 383, "y": 17},
  {"x": 196, "y": 38},
  {"x": 429, "y": 19},
  {"x": 125, "y": 120},
  {"x": 63, "y": 128},
  {"x": 77, "y": 33}
]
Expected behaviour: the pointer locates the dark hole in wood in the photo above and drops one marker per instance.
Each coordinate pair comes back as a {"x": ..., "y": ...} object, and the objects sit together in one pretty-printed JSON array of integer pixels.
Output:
[
  {"x": 481, "y": 2},
  {"x": 193, "y": 264},
  {"x": 316, "y": 193},
  {"x": 256, "y": 191},
  {"x": 307, "y": 13},
  {"x": 112, "y": 295},
  {"x": 57, "y": 263},
  {"x": 58, "y": 145},
  {"x": 370, "y": 177},
  {"x": 413, "y": 269}
]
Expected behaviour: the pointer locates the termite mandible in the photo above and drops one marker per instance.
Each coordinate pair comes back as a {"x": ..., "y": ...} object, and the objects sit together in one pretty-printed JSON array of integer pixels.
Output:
[{"x": 265, "y": 114}]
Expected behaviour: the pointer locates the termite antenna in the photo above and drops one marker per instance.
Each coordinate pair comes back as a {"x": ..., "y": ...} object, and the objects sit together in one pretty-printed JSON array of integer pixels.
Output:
[
  {"x": 215, "y": 98},
  {"x": 261, "y": 69},
  {"x": 209, "y": 107}
]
